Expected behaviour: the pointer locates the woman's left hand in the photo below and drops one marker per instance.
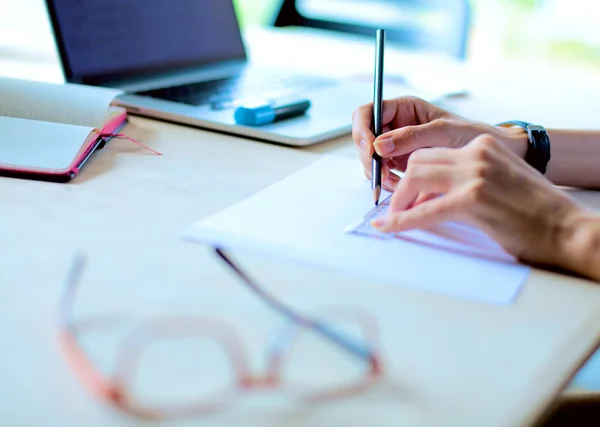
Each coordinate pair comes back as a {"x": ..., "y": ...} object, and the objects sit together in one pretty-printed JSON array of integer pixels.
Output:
[{"x": 488, "y": 186}]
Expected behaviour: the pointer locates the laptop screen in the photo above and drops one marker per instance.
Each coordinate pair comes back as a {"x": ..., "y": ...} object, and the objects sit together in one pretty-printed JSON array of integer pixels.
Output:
[{"x": 101, "y": 40}]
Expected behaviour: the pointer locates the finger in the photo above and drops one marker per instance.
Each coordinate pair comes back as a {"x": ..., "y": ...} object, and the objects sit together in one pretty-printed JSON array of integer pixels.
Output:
[
  {"x": 362, "y": 120},
  {"x": 385, "y": 168},
  {"x": 404, "y": 140},
  {"x": 366, "y": 160},
  {"x": 390, "y": 185},
  {"x": 390, "y": 180},
  {"x": 440, "y": 155},
  {"x": 399, "y": 164},
  {"x": 425, "y": 215},
  {"x": 404, "y": 195},
  {"x": 407, "y": 139},
  {"x": 424, "y": 197},
  {"x": 428, "y": 178},
  {"x": 411, "y": 111}
]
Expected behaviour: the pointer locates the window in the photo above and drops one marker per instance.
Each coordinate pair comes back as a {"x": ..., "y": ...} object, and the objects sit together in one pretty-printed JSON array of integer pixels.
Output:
[
  {"x": 561, "y": 32},
  {"x": 551, "y": 31},
  {"x": 555, "y": 32},
  {"x": 24, "y": 28}
]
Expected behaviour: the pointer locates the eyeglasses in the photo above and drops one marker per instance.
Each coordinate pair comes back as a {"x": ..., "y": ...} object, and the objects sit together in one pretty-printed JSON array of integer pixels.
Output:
[{"x": 307, "y": 383}]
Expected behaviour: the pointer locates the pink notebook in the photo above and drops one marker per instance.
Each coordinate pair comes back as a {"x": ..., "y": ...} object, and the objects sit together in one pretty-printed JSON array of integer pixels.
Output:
[{"x": 49, "y": 131}]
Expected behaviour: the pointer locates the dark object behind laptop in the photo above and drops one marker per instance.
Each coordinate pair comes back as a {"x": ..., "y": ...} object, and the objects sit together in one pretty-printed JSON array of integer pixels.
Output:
[{"x": 438, "y": 25}]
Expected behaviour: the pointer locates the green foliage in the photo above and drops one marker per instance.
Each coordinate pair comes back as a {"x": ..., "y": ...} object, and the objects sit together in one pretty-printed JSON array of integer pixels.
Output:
[
  {"x": 523, "y": 4},
  {"x": 255, "y": 12},
  {"x": 519, "y": 4},
  {"x": 574, "y": 51}
]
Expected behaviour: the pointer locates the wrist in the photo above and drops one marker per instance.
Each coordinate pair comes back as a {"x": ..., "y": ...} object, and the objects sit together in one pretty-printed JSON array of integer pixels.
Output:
[
  {"x": 579, "y": 244},
  {"x": 514, "y": 138}
]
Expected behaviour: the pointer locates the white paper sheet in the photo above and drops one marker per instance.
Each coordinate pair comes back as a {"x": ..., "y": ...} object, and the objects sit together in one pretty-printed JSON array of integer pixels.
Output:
[
  {"x": 40, "y": 145},
  {"x": 59, "y": 103},
  {"x": 306, "y": 217}
]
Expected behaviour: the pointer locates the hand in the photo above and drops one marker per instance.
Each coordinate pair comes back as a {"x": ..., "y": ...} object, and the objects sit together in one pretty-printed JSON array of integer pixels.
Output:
[
  {"x": 410, "y": 124},
  {"x": 486, "y": 185}
]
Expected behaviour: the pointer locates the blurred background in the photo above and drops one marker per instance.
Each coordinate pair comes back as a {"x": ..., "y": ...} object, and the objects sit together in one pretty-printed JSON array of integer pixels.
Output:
[{"x": 561, "y": 34}]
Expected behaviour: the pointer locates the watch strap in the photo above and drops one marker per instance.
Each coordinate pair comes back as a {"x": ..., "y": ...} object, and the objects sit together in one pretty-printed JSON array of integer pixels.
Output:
[{"x": 538, "y": 148}]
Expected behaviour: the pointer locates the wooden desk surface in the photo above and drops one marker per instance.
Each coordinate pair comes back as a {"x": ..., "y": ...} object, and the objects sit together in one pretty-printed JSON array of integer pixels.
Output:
[{"x": 450, "y": 362}]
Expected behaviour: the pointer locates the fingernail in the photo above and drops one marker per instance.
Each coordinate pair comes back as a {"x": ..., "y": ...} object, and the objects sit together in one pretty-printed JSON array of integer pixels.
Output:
[
  {"x": 378, "y": 222},
  {"x": 384, "y": 146},
  {"x": 364, "y": 145}
]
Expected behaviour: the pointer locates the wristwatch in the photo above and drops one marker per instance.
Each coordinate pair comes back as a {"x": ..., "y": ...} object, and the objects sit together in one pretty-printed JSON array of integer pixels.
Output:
[{"x": 538, "y": 148}]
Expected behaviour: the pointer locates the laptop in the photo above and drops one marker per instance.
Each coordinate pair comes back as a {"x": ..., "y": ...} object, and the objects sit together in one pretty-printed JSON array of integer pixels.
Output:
[{"x": 184, "y": 61}]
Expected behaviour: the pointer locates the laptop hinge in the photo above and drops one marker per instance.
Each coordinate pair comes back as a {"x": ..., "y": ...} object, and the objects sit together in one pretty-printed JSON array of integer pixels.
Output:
[{"x": 174, "y": 78}]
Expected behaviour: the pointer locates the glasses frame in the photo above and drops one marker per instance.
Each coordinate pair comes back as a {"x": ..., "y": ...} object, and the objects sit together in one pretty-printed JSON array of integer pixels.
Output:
[{"x": 114, "y": 388}]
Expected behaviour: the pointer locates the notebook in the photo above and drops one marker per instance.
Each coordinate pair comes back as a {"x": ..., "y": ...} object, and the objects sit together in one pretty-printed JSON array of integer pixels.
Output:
[{"x": 48, "y": 131}]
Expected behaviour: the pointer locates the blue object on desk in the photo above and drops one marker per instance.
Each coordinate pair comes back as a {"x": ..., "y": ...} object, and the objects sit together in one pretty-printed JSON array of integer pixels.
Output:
[{"x": 269, "y": 111}]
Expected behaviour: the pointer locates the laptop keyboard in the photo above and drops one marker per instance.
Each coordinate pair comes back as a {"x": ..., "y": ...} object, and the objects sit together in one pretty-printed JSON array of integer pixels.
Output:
[{"x": 227, "y": 92}]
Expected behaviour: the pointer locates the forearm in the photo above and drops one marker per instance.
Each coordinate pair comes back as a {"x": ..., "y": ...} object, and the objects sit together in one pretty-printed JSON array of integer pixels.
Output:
[
  {"x": 575, "y": 155},
  {"x": 580, "y": 246},
  {"x": 575, "y": 158}
]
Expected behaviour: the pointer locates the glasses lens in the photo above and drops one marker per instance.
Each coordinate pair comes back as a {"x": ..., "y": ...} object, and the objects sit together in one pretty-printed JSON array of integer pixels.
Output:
[
  {"x": 316, "y": 364},
  {"x": 182, "y": 372}
]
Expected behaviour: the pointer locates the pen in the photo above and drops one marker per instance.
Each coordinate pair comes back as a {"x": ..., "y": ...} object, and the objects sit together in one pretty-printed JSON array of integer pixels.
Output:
[{"x": 377, "y": 114}]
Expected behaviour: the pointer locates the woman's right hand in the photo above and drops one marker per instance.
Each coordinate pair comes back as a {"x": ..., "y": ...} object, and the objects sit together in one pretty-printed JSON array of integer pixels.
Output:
[{"x": 411, "y": 123}]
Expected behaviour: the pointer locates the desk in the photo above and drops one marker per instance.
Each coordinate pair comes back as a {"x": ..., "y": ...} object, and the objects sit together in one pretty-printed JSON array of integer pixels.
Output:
[{"x": 452, "y": 362}]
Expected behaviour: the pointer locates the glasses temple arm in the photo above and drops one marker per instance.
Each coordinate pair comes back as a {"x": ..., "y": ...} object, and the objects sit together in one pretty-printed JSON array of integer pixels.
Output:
[
  {"x": 322, "y": 329},
  {"x": 97, "y": 382},
  {"x": 65, "y": 305}
]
